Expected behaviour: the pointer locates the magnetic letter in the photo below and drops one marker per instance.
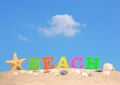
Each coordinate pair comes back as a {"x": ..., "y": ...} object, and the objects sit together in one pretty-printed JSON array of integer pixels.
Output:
[
  {"x": 34, "y": 64},
  {"x": 47, "y": 63},
  {"x": 73, "y": 62},
  {"x": 63, "y": 63},
  {"x": 92, "y": 63}
]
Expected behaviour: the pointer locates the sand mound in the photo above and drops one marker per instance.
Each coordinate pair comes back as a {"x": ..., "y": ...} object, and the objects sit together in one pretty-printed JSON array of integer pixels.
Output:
[{"x": 54, "y": 77}]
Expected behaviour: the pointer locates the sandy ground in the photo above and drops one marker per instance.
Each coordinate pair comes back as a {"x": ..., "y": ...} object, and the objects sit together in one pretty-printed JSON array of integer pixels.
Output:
[{"x": 74, "y": 77}]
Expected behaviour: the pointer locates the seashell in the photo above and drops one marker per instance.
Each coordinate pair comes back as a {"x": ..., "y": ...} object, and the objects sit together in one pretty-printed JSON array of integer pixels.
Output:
[
  {"x": 77, "y": 71},
  {"x": 22, "y": 71},
  {"x": 42, "y": 71},
  {"x": 84, "y": 74},
  {"x": 108, "y": 66},
  {"x": 30, "y": 72},
  {"x": 15, "y": 73},
  {"x": 54, "y": 70}
]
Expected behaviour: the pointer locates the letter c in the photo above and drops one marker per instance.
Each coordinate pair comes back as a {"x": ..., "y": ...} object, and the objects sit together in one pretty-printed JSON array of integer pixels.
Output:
[{"x": 73, "y": 62}]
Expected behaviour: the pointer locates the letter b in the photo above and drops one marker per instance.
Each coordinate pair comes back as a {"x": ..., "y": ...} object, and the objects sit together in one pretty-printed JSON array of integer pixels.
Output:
[{"x": 34, "y": 64}]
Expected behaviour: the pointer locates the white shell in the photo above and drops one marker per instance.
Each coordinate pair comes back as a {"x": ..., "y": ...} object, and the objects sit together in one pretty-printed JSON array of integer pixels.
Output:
[
  {"x": 30, "y": 72},
  {"x": 84, "y": 74},
  {"x": 22, "y": 71},
  {"x": 54, "y": 70},
  {"x": 15, "y": 73},
  {"x": 77, "y": 71},
  {"x": 41, "y": 71},
  {"x": 108, "y": 66}
]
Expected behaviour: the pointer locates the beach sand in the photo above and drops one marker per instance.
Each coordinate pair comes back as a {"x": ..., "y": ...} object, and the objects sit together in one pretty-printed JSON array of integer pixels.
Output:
[{"x": 53, "y": 77}]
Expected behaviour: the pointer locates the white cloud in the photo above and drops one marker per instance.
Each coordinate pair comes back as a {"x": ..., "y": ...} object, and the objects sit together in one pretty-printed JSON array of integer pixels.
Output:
[
  {"x": 61, "y": 24},
  {"x": 21, "y": 37}
]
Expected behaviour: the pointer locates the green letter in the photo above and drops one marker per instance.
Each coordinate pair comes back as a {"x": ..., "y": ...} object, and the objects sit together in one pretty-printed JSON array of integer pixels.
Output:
[
  {"x": 92, "y": 63},
  {"x": 34, "y": 64}
]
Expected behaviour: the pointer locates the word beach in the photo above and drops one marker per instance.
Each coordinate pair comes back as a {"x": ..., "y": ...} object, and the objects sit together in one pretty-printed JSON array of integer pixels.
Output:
[{"x": 91, "y": 63}]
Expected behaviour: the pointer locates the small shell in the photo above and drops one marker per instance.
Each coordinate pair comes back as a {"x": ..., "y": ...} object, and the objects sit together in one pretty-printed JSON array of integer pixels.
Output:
[
  {"x": 22, "y": 71},
  {"x": 42, "y": 71},
  {"x": 30, "y": 72},
  {"x": 54, "y": 70},
  {"x": 36, "y": 73},
  {"x": 77, "y": 71},
  {"x": 84, "y": 74},
  {"x": 15, "y": 73}
]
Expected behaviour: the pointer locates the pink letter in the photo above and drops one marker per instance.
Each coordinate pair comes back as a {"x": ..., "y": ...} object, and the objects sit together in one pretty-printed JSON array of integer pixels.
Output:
[{"x": 73, "y": 62}]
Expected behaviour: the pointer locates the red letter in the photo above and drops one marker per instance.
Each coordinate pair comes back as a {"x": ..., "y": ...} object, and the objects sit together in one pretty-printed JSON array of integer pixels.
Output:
[{"x": 47, "y": 63}]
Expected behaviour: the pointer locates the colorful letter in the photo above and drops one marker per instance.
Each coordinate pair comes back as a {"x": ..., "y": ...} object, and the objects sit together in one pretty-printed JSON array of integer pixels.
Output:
[
  {"x": 73, "y": 62},
  {"x": 92, "y": 63},
  {"x": 34, "y": 64},
  {"x": 63, "y": 63},
  {"x": 47, "y": 63}
]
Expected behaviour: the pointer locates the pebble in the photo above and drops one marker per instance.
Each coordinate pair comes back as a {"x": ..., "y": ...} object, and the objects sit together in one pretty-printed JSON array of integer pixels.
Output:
[
  {"x": 47, "y": 71},
  {"x": 90, "y": 75},
  {"x": 99, "y": 70},
  {"x": 63, "y": 72}
]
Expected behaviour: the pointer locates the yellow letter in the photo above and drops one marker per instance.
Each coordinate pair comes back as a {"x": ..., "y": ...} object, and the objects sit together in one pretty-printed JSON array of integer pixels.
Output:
[{"x": 63, "y": 63}]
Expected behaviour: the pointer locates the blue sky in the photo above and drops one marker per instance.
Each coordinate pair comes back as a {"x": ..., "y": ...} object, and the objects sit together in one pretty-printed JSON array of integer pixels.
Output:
[{"x": 39, "y": 28}]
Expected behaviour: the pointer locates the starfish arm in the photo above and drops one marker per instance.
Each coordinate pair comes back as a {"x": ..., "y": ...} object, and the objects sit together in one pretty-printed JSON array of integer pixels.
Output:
[
  {"x": 10, "y": 62},
  {"x": 15, "y": 56},
  {"x": 22, "y": 60}
]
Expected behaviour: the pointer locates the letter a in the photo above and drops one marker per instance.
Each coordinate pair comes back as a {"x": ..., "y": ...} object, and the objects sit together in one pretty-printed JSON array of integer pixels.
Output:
[
  {"x": 92, "y": 63},
  {"x": 63, "y": 63},
  {"x": 34, "y": 64}
]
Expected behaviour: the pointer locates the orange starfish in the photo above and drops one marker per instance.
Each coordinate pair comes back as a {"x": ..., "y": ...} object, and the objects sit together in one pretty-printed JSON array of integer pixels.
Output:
[{"x": 15, "y": 63}]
